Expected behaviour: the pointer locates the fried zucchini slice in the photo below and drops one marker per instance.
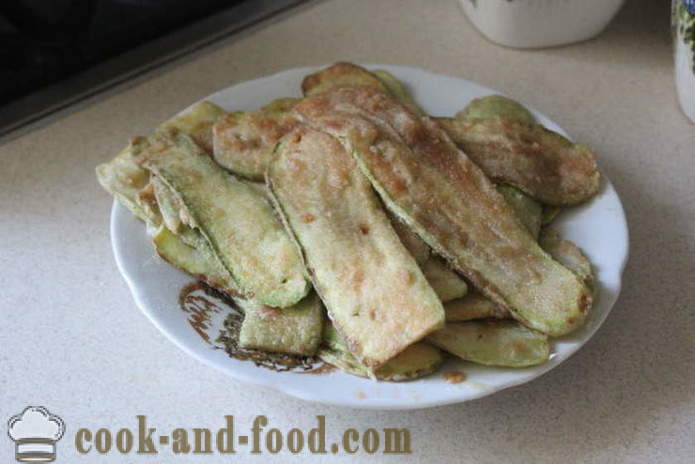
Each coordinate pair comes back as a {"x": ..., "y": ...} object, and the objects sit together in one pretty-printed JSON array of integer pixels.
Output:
[
  {"x": 493, "y": 343},
  {"x": 473, "y": 306},
  {"x": 147, "y": 201},
  {"x": 444, "y": 281},
  {"x": 169, "y": 205},
  {"x": 339, "y": 75},
  {"x": 124, "y": 179},
  {"x": 136, "y": 189},
  {"x": 373, "y": 289},
  {"x": 537, "y": 161},
  {"x": 396, "y": 89},
  {"x": 348, "y": 74},
  {"x": 237, "y": 222},
  {"x": 295, "y": 330},
  {"x": 416, "y": 361},
  {"x": 568, "y": 254},
  {"x": 197, "y": 122},
  {"x": 493, "y": 106},
  {"x": 244, "y": 141},
  {"x": 447, "y": 200},
  {"x": 528, "y": 210},
  {"x": 280, "y": 105},
  {"x": 183, "y": 246},
  {"x": 198, "y": 262},
  {"x": 411, "y": 241}
]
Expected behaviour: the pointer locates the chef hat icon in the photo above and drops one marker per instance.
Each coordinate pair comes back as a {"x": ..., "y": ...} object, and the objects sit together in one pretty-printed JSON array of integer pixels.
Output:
[{"x": 35, "y": 432}]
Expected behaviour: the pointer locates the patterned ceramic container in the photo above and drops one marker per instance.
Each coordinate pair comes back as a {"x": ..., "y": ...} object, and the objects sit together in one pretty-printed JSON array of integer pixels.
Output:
[{"x": 684, "y": 44}]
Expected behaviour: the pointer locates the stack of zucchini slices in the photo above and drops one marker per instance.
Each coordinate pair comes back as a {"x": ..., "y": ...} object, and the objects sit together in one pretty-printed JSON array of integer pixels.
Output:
[{"x": 350, "y": 226}]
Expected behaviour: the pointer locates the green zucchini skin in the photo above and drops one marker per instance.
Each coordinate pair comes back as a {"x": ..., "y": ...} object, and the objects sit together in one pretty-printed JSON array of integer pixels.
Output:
[
  {"x": 432, "y": 186},
  {"x": 493, "y": 106},
  {"x": 528, "y": 210},
  {"x": 237, "y": 222},
  {"x": 295, "y": 330},
  {"x": 373, "y": 290},
  {"x": 416, "y": 361},
  {"x": 493, "y": 343},
  {"x": 568, "y": 254},
  {"x": 198, "y": 262}
]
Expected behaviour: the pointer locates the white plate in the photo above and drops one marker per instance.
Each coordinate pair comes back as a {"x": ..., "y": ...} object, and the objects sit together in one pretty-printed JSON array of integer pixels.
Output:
[{"x": 598, "y": 227}]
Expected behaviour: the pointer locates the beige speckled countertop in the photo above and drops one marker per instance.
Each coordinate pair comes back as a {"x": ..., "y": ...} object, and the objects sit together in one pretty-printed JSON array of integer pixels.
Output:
[{"x": 73, "y": 340}]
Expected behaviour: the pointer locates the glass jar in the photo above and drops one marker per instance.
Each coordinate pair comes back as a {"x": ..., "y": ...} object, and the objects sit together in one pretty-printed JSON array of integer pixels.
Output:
[{"x": 683, "y": 21}]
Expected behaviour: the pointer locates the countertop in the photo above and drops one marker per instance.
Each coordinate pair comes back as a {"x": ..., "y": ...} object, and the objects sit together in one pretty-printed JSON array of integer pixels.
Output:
[{"x": 74, "y": 341}]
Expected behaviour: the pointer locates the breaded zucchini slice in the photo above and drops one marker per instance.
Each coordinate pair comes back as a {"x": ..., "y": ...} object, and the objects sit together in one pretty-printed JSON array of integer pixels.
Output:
[
  {"x": 568, "y": 254},
  {"x": 494, "y": 106},
  {"x": 197, "y": 122},
  {"x": 339, "y": 75},
  {"x": 280, "y": 105},
  {"x": 244, "y": 141},
  {"x": 491, "y": 107},
  {"x": 445, "y": 198},
  {"x": 294, "y": 330},
  {"x": 124, "y": 179},
  {"x": 348, "y": 74},
  {"x": 180, "y": 244},
  {"x": 416, "y": 361},
  {"x": 444, "y": 280},
  {"x": 528, "y": 210},
  {"x": 473, "y": 306},
  {"x": 147, "y": 200},
  {"x": 374, "y": 291},
  {"x": 396, "y": 89},
  {"x": 198, "y": 262},
  {"x": 537, "y": 161},
  {"x": 493, "y": 343},
  {"x": 237, "y": 222}
]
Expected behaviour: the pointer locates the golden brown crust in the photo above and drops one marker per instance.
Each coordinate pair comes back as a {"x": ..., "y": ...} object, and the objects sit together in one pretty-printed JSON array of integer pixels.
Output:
[
  {"x": 374, "y": 291},
  {"x": 448, "y": 200},
  {"x": 244, "y": 142},
  {"x": 338, "y": 75},
  {"x": 473, "y": 306},
  {"x": 541, "y": 163}
]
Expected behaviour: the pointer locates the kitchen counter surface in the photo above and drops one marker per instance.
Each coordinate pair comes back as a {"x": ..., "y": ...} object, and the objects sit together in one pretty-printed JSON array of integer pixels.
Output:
[{"x": 74, "y": 341}]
